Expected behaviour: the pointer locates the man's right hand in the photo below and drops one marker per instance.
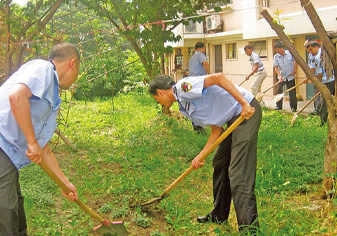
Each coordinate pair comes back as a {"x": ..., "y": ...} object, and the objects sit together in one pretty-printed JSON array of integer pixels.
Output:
[{"x": 34, "y": 152}]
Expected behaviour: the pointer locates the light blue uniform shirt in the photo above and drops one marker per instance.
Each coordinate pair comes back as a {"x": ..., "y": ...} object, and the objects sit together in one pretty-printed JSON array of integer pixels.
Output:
[
  {"x": 255, "y": 59},
  {"x": 285, "y": 64},
  {"x": 315, "y": 62},
  {"x": 196, "y": 68},
  {"x": 39, "y": 76},
  {"x": 207, "y": 106}
]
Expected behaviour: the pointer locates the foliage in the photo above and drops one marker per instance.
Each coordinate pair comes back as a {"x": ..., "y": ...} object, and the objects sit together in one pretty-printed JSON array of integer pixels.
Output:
[
  {"x": 147, "y": 25},
  {"x": 277, "y": 18},
  {"x": 134, "y": 151},
  {"x": 25, "y": 24}
]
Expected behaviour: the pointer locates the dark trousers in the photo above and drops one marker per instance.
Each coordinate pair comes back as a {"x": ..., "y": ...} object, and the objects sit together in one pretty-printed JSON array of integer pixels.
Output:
[
  {"x": 292, "y": 94},
  {"x": 234, "y": 173},
  {"x": 12, "y": 213},
  {"x": 323, "y": 110},
  {"x": 317, "y": 101}
]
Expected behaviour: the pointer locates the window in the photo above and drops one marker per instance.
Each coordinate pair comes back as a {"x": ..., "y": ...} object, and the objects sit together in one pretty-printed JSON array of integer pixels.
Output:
[
  {"x": 231, "y": 51},
  {"x": 260, "y": 48},
  {"x": 218, "y": 58}
]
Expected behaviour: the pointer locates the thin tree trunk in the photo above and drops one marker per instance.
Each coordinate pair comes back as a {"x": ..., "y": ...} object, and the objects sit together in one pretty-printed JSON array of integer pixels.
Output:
[{"x": 331, "y": 145}]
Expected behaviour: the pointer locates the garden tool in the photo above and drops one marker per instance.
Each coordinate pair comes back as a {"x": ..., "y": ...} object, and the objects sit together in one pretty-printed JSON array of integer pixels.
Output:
[
  {"x": 280, "y": 96},
  {"x": 190, "y": 169},
  {"x": 259, "y": 96},
  {"x": 106, "y": 227},
  {"x": 242, "y": 82},
  {"x": 297, "y": 113}
]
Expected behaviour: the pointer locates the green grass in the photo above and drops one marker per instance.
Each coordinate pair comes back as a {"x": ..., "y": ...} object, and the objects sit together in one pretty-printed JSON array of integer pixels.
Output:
[{"x": 128, "y": 151}]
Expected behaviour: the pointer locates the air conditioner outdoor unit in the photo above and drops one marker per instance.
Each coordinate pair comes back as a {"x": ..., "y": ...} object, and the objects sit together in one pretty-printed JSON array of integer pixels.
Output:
[
  {"x": 193, "y": 27},
  {"x": 213, "y": 22}
]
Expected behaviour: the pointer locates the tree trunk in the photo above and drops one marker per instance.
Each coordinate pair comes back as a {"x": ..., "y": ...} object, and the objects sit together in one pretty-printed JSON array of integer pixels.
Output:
[{"x": 330, "y": 150}]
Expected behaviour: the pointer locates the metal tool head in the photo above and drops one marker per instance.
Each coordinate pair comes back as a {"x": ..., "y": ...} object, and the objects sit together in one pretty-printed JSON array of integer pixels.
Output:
[
  {"x": 259, "y": 96},
  {"x": 112, "y": 229},
  {"x": 279, "y": 97},
  {"x": 294, "y": 119}
]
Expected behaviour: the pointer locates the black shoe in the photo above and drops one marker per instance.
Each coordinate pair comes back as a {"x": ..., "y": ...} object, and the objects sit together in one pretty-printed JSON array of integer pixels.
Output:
[
  {"x": 293, "y": 109},
  {"x": 209, "y": 218},
  {"x": 277, "y": 109}
]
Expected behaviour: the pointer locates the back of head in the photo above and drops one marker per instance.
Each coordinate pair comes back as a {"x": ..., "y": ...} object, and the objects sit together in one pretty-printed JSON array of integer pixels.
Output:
[
  {"x": 312, "y": 44},
  {"x": 279, "y": 44},
  {"x": 199, "y": 45},
  {"x": 64, "y": 51},
  {"x": 160, "y": 81}
]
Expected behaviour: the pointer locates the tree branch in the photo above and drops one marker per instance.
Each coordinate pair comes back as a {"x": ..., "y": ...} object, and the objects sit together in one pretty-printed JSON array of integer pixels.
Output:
[{"x": 319, "y": 85}]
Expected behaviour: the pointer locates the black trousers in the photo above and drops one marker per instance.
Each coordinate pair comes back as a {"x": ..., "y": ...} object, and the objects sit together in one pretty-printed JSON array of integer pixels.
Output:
[
  {"x": 12, "y": 213},
  {"x": 322, "y": 109},
  {"x": 234, "y": 173},
  {"x": 292, "y": 94}
]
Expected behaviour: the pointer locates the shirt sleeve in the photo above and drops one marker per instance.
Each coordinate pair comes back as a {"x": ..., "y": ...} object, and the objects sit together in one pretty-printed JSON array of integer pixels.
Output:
[
  {"x": 275, "y": 62},
  {"x": 202, "y": 58},
  {"x": 36, "y": 76},
  {"x": 256, "y": 59},
  {"x": 190, "y": 88}
]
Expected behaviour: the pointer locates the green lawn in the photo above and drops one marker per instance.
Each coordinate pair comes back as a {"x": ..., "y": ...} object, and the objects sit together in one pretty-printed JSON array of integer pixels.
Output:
[{"x": 129, "y": 152}]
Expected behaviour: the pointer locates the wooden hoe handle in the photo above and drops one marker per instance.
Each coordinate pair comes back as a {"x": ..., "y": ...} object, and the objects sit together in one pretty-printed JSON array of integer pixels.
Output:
[
  {"x": 203, "y": 157},
  {"x": 60, "y": 183}
]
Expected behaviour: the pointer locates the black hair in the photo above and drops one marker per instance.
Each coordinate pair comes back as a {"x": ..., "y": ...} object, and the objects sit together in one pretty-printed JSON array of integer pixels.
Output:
[
  {"x": 64, "y": 51},
  {"x": 160, "y": 81},
  {"x": 279, "y": 44},
  {"x": 312, "y": 44},
  {"x": 199, "y": 45},
  {"x": 247, "y": 47}
]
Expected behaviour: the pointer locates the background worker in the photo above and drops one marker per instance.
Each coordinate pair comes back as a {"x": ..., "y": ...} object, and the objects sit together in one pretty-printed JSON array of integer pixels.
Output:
[
  {"x": 198, "y": 65},
  {"x": 214, "y": 101},
  {"x": 257, "y": 69},
  {"x": 311, "y": 60},
  {"x": 316, "y": 66},
  {"x": 29, "y": 107},
  {"x": 284, "y": 65}
]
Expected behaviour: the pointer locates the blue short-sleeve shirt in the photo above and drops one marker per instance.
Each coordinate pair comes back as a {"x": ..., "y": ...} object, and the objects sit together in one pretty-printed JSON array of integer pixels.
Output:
[
  {"x": 315, "y": 62},
  {"x": 42, "y": 80},
  {"x": 285, "y": 64},
  {"x": 196, "y": 68},
  {"x": 207, "y": 106}
]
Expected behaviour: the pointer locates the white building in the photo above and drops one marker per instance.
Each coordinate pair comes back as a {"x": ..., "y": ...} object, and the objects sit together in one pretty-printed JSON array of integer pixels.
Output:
[{"x": 226, "y": 33}]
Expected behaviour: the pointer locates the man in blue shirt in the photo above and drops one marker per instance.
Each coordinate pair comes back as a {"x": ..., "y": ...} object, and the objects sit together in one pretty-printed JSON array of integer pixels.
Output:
[
  {"x": 198, "y": 65},
  {"x": 29, "y": 107},
  {"x": 316, "y": 65},
  {"x": 285, "y": 67},
  {"x": 214, "y": 101}
]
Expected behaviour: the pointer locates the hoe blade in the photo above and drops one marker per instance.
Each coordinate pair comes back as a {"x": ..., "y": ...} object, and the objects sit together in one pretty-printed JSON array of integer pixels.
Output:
[{"x": 113, "y": 229}]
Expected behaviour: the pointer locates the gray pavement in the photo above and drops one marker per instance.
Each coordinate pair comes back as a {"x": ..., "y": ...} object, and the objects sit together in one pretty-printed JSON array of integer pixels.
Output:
[{"x": 270, "y": 104}]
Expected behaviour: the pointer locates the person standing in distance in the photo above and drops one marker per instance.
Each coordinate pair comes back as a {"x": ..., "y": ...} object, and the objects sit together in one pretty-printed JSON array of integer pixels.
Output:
[
  {"x": 29, "y": 107},
  {"x": 285, "y": 65},
  {"x": 198, "y": 66},
  {"x": 257, "y": 69}
]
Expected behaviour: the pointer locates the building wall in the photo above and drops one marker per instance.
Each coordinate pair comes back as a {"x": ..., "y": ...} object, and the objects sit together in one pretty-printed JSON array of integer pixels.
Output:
[{"x": 244, "y": 24}]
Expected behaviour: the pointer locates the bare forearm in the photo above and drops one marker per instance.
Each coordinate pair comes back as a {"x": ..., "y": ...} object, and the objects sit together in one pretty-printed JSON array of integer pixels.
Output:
[
  {"x": 20, "y": 107},
  {"x": 50, "y": 160}
]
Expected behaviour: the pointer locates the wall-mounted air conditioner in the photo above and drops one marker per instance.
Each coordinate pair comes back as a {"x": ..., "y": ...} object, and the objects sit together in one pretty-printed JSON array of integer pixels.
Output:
[
  {"x": 213, "y": 22},
  {"x": 193, "y": 27}
]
